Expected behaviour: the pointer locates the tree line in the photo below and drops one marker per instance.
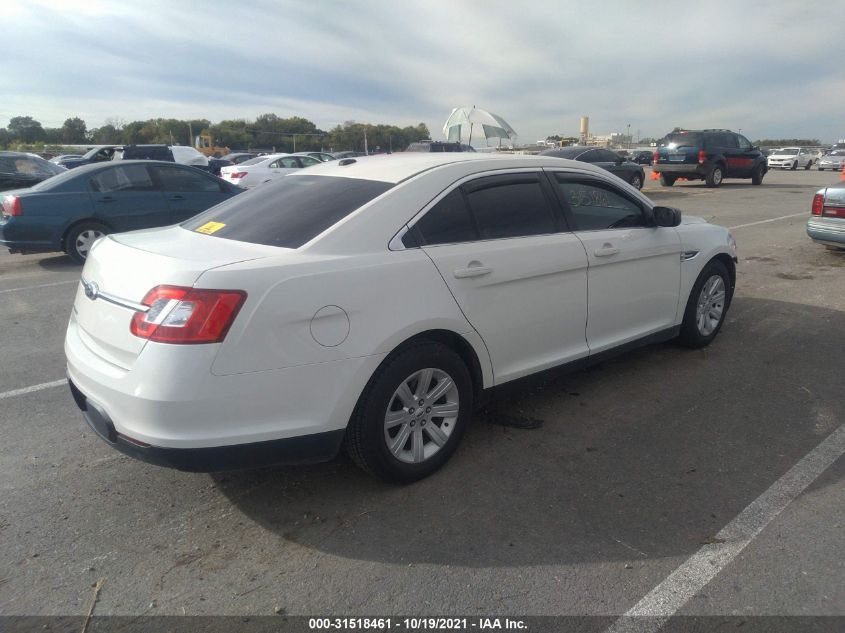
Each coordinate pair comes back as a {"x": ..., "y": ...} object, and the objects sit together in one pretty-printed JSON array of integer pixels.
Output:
[{"x": 267, "y": 131}]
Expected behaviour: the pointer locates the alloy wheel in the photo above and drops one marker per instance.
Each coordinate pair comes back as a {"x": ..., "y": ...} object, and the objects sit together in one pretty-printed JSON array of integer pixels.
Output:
[
  {"x": 421, "y": 415},
  {"x": 711, "y": 305}
]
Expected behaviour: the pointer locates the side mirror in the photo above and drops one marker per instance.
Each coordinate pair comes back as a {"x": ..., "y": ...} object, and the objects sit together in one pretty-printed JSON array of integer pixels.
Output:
[{"x": 666, "y": 216}]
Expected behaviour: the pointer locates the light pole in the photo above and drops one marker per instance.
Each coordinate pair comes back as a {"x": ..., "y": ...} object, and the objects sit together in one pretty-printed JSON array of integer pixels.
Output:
[{"x": 629, "y": 136}]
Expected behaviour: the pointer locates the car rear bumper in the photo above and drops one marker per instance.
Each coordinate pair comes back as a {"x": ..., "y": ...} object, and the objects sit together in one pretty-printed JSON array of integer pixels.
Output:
[
  {"x": 829, "y": 231},
  {"x": 316, "y": 447},
  {"x": 681, "y": 169}
]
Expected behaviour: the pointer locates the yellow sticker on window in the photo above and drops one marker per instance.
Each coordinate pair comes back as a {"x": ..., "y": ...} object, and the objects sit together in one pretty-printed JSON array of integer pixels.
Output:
[{"x": 210, "y": 227}]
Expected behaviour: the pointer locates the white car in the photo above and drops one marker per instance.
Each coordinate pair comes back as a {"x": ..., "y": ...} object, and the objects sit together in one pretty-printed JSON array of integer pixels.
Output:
[
  {"x": 186, "y": 155},
  {"x": 791, "y": 158},
  {"x": 835, "y": 160},
  {"x": 373, "y": 302},
  {"x": 257, "y": 171}
]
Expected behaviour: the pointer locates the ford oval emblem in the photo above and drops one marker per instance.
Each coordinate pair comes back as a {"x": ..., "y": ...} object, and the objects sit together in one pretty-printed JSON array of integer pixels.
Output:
[{"x": 92, "y": 290}]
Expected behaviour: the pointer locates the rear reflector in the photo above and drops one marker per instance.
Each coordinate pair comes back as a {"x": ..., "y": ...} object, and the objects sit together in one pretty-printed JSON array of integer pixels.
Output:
[
  {"x": 187, "y": 315},
  {"x": 818, "y": 204},
  {"x": 656, "y": 157},
  {"x": 237, "y": 174},
  {"x": 702, "y": 156},
  {"x": 12, "y": 206}
]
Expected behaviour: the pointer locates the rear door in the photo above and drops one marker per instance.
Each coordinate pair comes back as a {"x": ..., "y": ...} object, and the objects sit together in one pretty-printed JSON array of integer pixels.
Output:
[
  {"x": 634, "y": 268},
  {"x": 282, "y": 167},
  {"x": 188, "y": 191},
  {"x": 126, "y": 198},
  {"x": 517, "y": 273},
  {"x": 725, "y": 143}
]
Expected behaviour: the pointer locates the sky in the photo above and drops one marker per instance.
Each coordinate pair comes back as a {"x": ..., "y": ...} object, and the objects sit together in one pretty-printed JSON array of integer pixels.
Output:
[{"x": 772, "y": 69}]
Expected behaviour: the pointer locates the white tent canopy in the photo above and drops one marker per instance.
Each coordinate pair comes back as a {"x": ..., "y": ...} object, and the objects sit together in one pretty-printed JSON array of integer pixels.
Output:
[{"x": 472, "y": 120}]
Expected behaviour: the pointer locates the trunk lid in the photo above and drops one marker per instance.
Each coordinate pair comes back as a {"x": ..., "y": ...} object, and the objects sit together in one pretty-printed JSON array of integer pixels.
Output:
[{"x": 126, "y": 266}]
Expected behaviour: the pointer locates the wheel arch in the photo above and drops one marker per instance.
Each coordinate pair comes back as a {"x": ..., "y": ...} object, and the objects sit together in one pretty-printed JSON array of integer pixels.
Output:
[
  {"x": 76, "y": 223},
  {"x": 729, "y": 263}
]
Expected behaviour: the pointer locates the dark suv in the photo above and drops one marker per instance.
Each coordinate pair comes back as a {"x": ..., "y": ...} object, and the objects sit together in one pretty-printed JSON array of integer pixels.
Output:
[
  {"x": 144, "y": 152},
  {"x": 708, "y": 155}
]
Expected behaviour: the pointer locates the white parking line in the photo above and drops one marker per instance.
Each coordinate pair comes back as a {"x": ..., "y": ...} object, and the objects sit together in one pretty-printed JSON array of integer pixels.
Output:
[
  {"x": 667, "y": 598},
  {"x": 783, "y": 217},
  {"x": 25, "y": 390},
  {"x": 57, "y": 283}
]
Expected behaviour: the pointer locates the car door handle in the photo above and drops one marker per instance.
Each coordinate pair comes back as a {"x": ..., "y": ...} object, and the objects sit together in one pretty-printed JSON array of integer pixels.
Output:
[
  {"x": 606, "y": 250},
  {"x": 106, "y": 199},
  {"x": 473, "y": 269},
  {"x": 177, "y": 197}
]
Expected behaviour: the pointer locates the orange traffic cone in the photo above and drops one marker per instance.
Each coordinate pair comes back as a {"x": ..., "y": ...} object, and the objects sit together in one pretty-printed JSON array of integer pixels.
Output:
[
  {"x": 655, "y": 175},
  {"x": 842, "y": 176}
]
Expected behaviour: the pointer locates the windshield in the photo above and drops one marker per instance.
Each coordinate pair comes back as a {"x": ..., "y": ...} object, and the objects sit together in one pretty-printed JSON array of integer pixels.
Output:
[
  {"x": 287, "y": 212},
  {"x": 787, "y": 151},
  {"x": 686, "y": 139},
  {"x": 254, "y": 161}
]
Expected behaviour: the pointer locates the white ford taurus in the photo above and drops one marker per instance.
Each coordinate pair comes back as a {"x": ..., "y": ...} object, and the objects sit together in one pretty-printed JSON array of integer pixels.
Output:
[{"x": 372, "y": 303}]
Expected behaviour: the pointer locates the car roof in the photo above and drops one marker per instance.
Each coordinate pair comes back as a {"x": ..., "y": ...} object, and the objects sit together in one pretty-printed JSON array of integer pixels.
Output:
[{"x": 399, "y": 167}]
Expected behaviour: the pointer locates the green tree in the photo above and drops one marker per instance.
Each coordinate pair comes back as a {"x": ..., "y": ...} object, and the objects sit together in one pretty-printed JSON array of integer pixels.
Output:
[
  {"x": 25, "y": 129},
  {"x": 105, "y": 135},
  {"x": 74, "y": 131}
]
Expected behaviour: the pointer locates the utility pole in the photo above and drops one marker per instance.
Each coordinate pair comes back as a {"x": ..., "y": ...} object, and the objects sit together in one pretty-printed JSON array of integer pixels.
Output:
[
  {"x": 629, "y": 136},
  {"x": 190, "y": 135},
  {"x": 366, "y": 152}
]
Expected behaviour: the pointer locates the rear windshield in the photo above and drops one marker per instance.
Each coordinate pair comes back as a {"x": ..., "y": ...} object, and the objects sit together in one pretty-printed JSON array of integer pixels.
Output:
[
  {"x": 673, "y": 141},
  {"x": 287, "y": 212},
  {"x": 787, "y": 151}
]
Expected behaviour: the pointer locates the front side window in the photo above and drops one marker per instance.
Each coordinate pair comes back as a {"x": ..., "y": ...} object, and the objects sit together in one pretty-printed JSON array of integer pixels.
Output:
[
  {"x": 307, "y": 161},
  {"x": 124, "y": 178},
  {"x": 590, "y": 156},
  {"x": 743, "y": 142},
  {"x": 595, "y": 207},
  {"x": 287, "y": 212}
]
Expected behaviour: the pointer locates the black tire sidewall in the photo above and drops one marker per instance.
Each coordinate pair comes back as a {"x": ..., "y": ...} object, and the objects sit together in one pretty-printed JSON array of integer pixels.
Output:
[
  {"x": 710, "y": 179},
  {"x": 371, "y": 416},
  {"x": 636, "y": 181},
  {"x": 667, "y": 181},
  {"x": 689, "y": 335}
]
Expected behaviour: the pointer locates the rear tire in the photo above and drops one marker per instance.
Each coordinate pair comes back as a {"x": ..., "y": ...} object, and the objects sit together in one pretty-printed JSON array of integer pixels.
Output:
[
  {"x": 707, "y": 306},
  {"x": 794, "y": 166},
  {"x": 715, "y": 176},
  {"x": 808, "y": 165},
  {"x": 757, "y": 175},
  {"x": 667, "y": 181},
  {"x": 81, "y": 237},
  {"x": 399, "y": 438}
]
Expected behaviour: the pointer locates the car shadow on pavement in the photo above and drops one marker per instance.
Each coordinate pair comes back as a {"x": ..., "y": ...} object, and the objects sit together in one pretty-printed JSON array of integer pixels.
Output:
[
  {"x": 645, "y": 456},
  {"x": 59, "y": 262}
]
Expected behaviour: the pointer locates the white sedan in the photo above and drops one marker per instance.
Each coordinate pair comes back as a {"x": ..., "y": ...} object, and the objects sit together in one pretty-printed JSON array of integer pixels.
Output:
[
  {"x": 791, "y": 158},
  {"x": 257, "y": 171},
  {"x": 371, "y": 303}
]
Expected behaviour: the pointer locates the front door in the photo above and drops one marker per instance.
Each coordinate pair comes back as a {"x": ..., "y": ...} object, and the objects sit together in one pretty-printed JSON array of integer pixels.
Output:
[
  {"x": 125, "y": 198},
  {"x": 634, "y": 270},
  {"x": 187, "y": 191}
]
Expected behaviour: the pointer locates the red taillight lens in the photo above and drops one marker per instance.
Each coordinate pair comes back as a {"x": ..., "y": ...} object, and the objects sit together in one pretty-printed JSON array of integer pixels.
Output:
[
  {"x": 818, "y": 204},
  {"x": 12, "y": 206},
  {"x": 702, "y": 156},
  {"x": 656, "y": 156},
  {"x": 187, "y": 315},
  {"x": 237, "y": 174}
]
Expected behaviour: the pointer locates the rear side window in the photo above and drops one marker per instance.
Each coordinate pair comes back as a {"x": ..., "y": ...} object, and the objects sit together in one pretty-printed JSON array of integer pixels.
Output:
[
  {"x": 595, "y": 207},
  {"x": 124, "y": 178},
  {"x": 510, "y": 207},
  {"x": 447, "y": 222},
  {"x": 288, "y": 212},
  {"x": 186, "y": 180}
]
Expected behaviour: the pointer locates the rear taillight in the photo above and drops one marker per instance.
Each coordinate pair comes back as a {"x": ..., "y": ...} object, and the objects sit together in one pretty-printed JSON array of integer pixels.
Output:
[
  {"x": 818, "y": 204},
  {"x": 187, "y": 315},
  {"x": 237, "y": 174},
  {"x": 702, "y": 156},
  {"x": 656, "y": 156},
  {"x": 12, "y": 206}
]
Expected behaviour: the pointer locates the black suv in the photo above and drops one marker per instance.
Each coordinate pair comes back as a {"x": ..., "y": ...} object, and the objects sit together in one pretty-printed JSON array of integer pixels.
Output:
[
  {"x": 708, "y": 155},
  {"x": 439, "y": 146},
  {"x": 144, "y": 152}
]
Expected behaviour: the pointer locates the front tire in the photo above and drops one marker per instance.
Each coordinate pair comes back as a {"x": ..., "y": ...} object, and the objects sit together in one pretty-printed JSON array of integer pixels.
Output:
[
  {"x": 637, "y": 181},
  {"x": 794, "y": 166},
  {"x": 707, "y": 306},
  {"x": 667, "y": 181},
  {"x": 757, "y": 175},
  {"x": 808, "y": 165},
  {"x": 714, "y": 176},
  {"x": 81, "y": 238},
  {"x": 412, "y": 415}
]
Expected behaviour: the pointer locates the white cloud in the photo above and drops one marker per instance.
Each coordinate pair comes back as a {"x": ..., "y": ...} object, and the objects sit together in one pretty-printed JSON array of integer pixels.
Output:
[{"x": 541, "y": 65}]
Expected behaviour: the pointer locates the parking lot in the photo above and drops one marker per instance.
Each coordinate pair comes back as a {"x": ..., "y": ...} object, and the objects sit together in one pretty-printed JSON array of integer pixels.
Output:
[{"x": 577, "y": 495}]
